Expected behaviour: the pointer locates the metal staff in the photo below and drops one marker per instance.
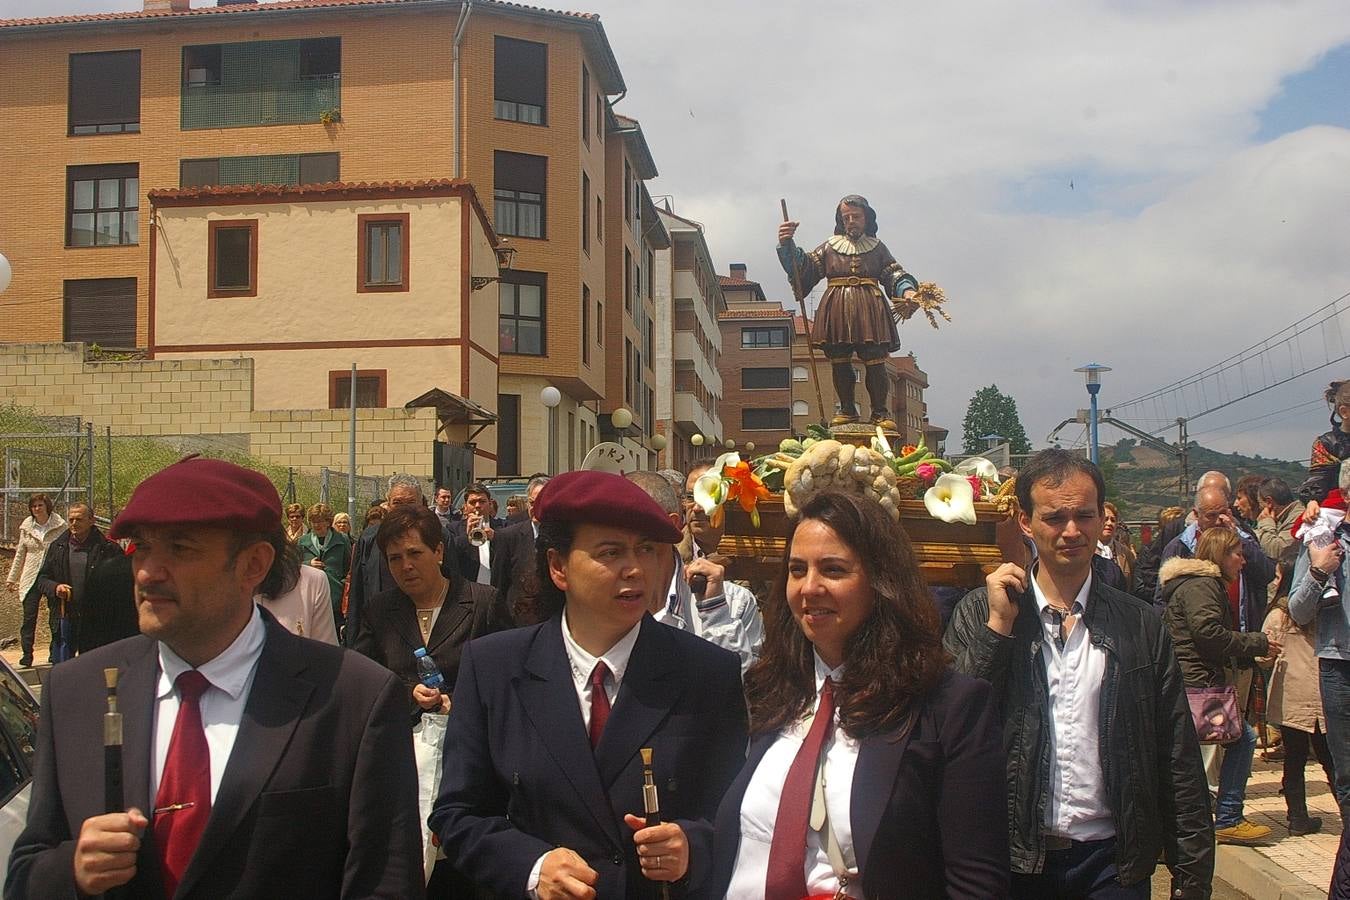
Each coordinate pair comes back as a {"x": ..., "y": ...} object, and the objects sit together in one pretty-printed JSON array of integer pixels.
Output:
[
  {"x": 650, "y": 805},
  {"x": 114, "y": 800},
  {"x": 806, "y": 323}
]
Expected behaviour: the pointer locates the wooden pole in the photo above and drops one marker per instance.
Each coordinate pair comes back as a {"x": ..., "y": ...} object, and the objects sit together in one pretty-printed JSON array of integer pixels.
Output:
[{"x": 806, "y": 323}]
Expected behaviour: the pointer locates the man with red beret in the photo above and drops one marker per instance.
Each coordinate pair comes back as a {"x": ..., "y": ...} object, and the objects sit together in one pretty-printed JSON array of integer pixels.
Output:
[
  {"x": 542, "y": 773},
  {"x": 256, "y": 763}
]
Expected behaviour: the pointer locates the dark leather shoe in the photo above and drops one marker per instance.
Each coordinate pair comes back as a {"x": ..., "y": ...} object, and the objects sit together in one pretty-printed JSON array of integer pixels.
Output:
[
  {"x": 26, "y": 662},
  {"x": 1304, "y": 825}
]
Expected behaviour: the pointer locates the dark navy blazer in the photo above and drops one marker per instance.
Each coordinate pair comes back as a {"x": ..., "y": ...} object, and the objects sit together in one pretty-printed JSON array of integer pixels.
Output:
[
  {"x": 926, "y": 808},
  {"x": 520, "y": 777}
]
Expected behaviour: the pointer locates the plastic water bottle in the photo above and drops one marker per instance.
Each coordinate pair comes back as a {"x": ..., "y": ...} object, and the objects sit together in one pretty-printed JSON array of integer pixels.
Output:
[{"x": 427, "y": 672}]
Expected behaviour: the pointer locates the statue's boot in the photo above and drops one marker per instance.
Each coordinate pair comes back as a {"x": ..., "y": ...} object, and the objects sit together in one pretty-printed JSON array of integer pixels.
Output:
[
  {"x": 844, "y": 380},
  {"x": 878, "y": 386}
]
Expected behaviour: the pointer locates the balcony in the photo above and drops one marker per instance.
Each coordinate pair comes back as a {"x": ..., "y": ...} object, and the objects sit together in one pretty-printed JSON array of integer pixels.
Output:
[
  {"x": 691, "y": 416},
  {"x": 293, "y": 102}
]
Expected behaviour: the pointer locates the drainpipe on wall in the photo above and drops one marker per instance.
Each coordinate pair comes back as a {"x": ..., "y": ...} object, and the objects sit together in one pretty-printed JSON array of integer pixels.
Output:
[{"x": 464, "y": 12}]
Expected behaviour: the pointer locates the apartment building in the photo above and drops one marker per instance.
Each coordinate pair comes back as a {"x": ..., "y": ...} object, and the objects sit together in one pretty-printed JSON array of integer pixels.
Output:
[
  {"x": 100, "y": 109},
  {"x": 690, "y": 396}
]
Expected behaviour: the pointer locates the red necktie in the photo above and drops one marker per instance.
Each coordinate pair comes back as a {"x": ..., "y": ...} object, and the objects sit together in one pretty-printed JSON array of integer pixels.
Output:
[
  {"x": 183, "y": 803},
  {"x": 787, "y": 854},
  {"x": 599, "y": 702}
]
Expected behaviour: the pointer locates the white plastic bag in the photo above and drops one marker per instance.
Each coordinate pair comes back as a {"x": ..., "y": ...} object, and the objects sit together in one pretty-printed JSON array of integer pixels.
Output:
[{"x": 428, "y": 740}]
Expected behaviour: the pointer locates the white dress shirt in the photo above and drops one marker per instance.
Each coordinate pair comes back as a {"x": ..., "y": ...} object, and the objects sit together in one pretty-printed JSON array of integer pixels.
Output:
[
  {"x": 759, "y": 808},
  {"x": 222, "y": 705},
  {"x": 484, "y": 563},
  {"x": 1078, "y": 809},
  {"x": 582, "y": 664}
]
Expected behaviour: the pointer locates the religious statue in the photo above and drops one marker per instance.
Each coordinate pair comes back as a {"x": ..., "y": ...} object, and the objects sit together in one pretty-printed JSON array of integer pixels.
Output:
[{"x": 866, "y": 293}]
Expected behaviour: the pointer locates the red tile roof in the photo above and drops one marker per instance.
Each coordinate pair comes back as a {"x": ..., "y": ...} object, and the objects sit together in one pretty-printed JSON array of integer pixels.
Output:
[
  {"x": 728, "y": 282},
  {"x": 228, "y": 195},
  {"x": 259, "y": 7}
]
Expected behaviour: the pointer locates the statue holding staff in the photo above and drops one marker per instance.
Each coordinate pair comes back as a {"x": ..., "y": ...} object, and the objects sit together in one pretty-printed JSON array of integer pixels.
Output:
[{"x": 866, "y": 292}]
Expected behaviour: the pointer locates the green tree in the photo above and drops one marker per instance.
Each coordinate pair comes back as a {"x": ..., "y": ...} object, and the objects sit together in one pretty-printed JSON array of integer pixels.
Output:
[{"x": 993, "y": 412}]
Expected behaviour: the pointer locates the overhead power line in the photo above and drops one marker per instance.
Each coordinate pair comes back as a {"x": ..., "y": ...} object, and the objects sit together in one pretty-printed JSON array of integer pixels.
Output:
[{"x": 1313, "y": 342}]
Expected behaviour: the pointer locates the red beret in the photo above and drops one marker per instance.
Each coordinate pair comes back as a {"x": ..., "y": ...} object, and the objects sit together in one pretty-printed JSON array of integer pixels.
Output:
[
  {"x": 603, "y": 498},
  {"x": 198, "y": 491}
]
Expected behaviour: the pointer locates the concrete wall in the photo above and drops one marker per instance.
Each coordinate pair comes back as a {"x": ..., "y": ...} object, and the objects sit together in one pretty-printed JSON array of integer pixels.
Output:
[{"x": 209, "y": 397}]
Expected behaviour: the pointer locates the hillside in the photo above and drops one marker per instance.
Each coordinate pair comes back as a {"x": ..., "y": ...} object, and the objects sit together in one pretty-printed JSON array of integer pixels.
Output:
[{"x": 1142, "y": 480}]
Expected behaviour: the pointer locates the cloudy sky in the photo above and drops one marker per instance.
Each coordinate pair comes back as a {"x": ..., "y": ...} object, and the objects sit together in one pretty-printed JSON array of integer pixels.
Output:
[{"x": 1154, "y": 185}]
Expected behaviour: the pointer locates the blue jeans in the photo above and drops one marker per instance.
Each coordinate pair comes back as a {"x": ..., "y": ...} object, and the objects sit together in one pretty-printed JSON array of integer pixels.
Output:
[
  {"x": 1085, "y": 870},
  {"x": 1335, "y": 678},
  {"x": 1233, "y": 774}
]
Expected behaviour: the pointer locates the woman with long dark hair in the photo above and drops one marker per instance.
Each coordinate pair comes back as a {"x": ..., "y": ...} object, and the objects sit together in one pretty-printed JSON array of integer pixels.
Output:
[{"x": 868, "y": 756}]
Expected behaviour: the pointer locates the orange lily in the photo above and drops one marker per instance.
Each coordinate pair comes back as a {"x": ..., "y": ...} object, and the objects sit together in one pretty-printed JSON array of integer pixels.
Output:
[{"x": 745, "y": 486}]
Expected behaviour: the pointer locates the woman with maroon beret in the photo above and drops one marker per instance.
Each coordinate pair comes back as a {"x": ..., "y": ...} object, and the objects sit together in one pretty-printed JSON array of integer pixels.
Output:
[{"x": 542, "y": 770}]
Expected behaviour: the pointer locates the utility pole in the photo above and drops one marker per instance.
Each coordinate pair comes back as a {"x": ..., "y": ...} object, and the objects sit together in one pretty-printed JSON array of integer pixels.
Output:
[{"x": 1184, "y": 488}]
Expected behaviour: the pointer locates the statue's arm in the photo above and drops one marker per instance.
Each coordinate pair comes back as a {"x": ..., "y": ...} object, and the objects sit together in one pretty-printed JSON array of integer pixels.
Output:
[
  {"x": 894, "y": 277},
  {"x": 807, "y": 268}
]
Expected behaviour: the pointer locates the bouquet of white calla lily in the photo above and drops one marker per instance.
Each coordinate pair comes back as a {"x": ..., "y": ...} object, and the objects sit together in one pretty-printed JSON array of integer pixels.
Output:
[{"x": 951, "y": 499}]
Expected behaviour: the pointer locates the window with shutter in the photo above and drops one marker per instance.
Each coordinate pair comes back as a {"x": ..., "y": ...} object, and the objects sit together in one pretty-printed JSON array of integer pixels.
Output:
[
  {"x": 105, "y": 92},
  {"x": 519, "y": 182},
  {"x": 520, "y": 82},
  {"x": 100, "y": 311}
]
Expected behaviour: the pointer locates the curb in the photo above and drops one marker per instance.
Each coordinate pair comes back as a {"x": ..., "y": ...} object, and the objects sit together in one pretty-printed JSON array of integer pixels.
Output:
[{"x": 1247, "y": 870}]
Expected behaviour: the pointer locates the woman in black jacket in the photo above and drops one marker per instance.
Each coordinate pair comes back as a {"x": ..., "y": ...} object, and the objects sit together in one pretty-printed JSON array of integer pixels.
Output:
[{"x": 426, "y": 609}]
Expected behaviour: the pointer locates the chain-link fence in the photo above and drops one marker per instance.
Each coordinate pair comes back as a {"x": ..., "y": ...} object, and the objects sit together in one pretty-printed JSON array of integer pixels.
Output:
[{"x": 71, "y": 461}]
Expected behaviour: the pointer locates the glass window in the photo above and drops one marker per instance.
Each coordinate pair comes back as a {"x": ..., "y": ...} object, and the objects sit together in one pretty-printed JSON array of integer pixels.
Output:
[
  {"x": 384, "y": 252},
  {"x": 765, "y": 420},
  {"x": 100, "y": 311},
  {"x": 103, "y": 205},
  {"x": 520, "y": 326},
  {"x": 233, "y": 263},
  {"x": 800, "y": 408},
  {"x": 799, "y": 373},
  {"x": 370, "y": 390},
  {"x": 519, "y": 185},
  {"x": 19, "y": 718},
  {"x": 762, "y": 379},
  {"x": 764, "y": 337}
]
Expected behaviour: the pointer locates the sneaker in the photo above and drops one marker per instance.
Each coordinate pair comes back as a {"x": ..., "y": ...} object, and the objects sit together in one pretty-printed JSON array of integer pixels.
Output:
[
  {"x": 1244, "y": 832},
  {"x": 1304, "y": 825}
]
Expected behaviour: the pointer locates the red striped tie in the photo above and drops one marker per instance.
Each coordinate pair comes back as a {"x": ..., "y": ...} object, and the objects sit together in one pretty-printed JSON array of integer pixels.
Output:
[
  {"x": 787, "y": 854},
  {"x": 183, "y": 802}
]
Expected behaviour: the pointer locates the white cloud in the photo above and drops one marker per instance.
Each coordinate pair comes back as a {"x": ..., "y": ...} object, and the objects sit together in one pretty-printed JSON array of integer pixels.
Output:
[{"x": 1181, "y": 241}]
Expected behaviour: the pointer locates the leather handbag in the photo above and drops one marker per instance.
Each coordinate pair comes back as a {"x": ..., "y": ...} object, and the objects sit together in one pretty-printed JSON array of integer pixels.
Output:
[{"x": 1215, "y": 714}]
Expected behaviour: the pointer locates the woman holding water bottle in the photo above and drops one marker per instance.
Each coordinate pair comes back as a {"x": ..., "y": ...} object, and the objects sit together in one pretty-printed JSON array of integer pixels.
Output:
[{"x": 425, "y": 611}]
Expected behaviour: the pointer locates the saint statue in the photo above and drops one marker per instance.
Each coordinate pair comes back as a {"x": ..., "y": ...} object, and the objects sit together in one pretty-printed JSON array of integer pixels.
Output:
[{"x": 866, "y": 292}]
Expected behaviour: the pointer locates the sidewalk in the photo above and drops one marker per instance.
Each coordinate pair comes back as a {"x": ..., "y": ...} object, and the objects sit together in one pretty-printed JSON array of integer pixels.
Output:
[{"x": 1285, "y": 868}]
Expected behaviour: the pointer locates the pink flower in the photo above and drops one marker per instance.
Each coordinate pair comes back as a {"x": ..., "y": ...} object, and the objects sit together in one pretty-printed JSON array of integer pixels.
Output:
[
  {"x": 977, "y": 485},
  {"x": 926, "y": 472}
]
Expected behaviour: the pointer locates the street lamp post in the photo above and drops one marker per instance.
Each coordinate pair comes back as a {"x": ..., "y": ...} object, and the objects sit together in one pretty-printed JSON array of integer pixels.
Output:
[
  {"x": 1093, "y": 373},
  {"x": 551, "y": 397}
]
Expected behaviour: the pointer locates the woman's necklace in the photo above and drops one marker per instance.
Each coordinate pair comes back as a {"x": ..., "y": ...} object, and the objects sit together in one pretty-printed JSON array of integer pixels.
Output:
[{"x": 425, "y": 616}]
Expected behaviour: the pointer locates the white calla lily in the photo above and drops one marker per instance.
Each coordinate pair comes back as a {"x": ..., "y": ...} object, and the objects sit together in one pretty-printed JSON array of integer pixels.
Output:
[
  {"x": 951, "y": 499},
  {"x": 978, "y": 465},
  {"x": 710, "y": 491},
  {"x": 882, "y": 445}
]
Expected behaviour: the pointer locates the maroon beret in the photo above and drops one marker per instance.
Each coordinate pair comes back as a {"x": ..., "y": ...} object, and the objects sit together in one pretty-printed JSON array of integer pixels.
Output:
[
  {"x": 198, "y": 491},
  {"x": 603, "y": 498}
]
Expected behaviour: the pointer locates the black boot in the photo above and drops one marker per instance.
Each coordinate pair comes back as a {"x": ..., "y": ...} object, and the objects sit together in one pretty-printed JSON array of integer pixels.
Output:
[
  {"x": 1295, "y": 791},
  {"x": 844, "y": 379},
  {"x": 878, "y": 387}
]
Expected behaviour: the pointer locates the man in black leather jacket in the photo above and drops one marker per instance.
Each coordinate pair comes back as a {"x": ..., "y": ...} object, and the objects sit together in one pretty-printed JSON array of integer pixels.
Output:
[{"x": 1104, "y": 771}]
